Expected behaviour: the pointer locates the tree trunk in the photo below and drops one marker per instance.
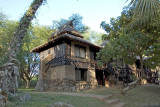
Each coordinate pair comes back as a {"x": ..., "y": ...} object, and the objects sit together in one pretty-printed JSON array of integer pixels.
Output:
[
  {"x": 25, "y": 78},
  {"x": 27, "y": 84},
  {"x": 141, "y": 61},
  {"x": 9, "y": 72},
  {"x": 134, "y": 83},
  {"x": 130, "y": 86}
]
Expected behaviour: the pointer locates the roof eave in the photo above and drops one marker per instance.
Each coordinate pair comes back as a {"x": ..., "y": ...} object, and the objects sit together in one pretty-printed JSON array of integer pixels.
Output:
[{"x": 36, "y": 49}]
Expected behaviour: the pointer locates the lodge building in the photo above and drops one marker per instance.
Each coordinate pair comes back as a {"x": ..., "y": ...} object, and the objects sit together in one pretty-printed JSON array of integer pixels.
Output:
[{"x": 67, "y": 62}]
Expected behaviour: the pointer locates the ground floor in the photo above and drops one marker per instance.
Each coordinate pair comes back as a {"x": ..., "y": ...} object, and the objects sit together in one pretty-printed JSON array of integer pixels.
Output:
[
  {"x": 67, "y": 78},
  {"x": 71, "y": 78}
]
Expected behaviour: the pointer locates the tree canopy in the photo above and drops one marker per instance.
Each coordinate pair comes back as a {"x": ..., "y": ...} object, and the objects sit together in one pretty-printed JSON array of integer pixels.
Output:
[{"x": 129, "y": 41}]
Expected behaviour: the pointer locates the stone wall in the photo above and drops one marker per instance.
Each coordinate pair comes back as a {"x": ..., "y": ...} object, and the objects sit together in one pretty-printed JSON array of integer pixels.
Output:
[
  {"x": 84, "y": 85},
  {"x": 64, "y": 85},
  {"x": 70, "y": 72},
  {"x": 57, "y": 72},
  {"x": 91, "y": 75},
  {"x": 62, "y": 78},
  {"x": 43, "y": 73}
]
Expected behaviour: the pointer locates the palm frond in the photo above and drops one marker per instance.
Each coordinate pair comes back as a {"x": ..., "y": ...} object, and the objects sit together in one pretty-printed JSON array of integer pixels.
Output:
[{"x": 146, "y": 8}]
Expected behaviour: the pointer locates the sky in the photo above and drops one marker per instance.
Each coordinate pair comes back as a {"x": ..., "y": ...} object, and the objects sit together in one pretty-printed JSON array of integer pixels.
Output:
[{"x": 92, "y": 11}]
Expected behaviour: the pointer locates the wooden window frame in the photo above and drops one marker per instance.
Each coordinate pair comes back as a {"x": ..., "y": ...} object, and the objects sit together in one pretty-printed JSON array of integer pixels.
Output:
[
  {"x": 82, "y": 75},
  {"x": 80, "y": 47}
]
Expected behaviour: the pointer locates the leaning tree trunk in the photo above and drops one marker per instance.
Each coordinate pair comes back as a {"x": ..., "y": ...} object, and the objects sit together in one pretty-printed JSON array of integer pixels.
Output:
[
  {"x": 136, "y": 82},
  {"x": 131, "y": 85},
  {"x": 9, "y": 72}
]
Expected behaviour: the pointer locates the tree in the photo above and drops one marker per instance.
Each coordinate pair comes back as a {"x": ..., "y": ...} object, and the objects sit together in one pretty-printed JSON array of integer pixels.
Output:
[
  {"x": 93, "y": 36},
  {"x": 154, "y": 61},
  {"x": 10, "y": 70},
  {"x": 36, "y": 35},
  {"x": 128, "y": 41},
  {"x": 6, "y": 33},
  {"x": 3, "y": 19}
]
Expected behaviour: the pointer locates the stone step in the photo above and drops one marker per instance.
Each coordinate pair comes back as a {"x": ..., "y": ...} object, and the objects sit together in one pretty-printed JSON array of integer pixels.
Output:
[
  {"x": 120, "y": 104},
  {"x": 107, "y": 97},
  {"x": 112, "y": 101}
]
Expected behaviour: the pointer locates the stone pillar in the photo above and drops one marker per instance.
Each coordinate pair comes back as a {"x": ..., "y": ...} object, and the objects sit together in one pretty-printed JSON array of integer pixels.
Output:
[
  {"x": 91, "y": 77},
  {"x": 44, "y": 74},
  {"x": 42, "y": 84}
]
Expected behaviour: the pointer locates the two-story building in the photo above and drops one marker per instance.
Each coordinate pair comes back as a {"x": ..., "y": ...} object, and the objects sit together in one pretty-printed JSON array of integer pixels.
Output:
[{"x": 67, "y": 62}]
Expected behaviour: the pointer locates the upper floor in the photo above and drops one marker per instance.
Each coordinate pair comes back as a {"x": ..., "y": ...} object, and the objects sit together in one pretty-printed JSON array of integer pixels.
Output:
[{"x": 67, "y": 46}]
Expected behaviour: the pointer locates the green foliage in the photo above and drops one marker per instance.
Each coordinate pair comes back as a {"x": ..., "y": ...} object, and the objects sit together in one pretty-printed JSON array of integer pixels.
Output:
[
  {"x": 145, "y": 10},
  {"x": 3, "y": 18},
  {"x": 6, "y": 35},
  {"x": 33, "y": 82},
  {"x": 7, "y": 29},
  {"x": 129, "y": 41},
  {"x": 154, "y": 56},
  {"x": 35, "y": 36},
  {"x": 93, "y": 36},
  {"x": 117, "y": 25}
]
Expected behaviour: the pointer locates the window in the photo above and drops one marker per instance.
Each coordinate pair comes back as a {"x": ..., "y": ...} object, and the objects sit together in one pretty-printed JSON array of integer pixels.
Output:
[
  {"x": 59, "y": 50},
  {"x": 80, "y": 51},
  {"x": 81, "y": 75}
]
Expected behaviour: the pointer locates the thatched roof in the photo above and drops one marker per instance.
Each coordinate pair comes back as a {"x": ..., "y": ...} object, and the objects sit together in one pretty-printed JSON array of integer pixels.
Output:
[
  {"x": 64, "y": 36},
  {"x": 66, "y": 29}
]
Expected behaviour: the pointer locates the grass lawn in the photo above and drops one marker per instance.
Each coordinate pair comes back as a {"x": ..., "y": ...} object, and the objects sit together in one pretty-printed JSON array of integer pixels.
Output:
[
  {"x": 148, "y": 96},
  {"x": 26, "y": 90},
  {"x": 44, "y": 100}
]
